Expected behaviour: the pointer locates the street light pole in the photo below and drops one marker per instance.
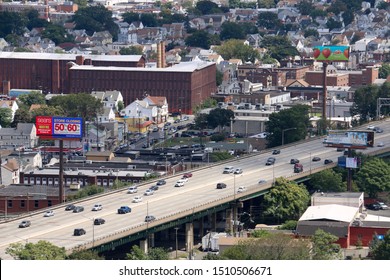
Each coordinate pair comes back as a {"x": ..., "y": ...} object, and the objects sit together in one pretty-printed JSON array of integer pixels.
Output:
[
  {"x": 287, "y": 129},
  {"x": 176, "y": 229}
]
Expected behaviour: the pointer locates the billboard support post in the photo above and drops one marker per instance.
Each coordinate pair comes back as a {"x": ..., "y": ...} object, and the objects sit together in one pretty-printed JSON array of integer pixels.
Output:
[
  {"x": 324, "y": 94},
  {"x": 61, "y": 173},
  {"x": 349, "y": 173}
]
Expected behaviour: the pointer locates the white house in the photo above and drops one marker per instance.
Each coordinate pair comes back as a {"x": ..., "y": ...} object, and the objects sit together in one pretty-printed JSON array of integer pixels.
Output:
[
  {"x": 108, "y": 115},
  {"x": 109, "y": 98},
  {"x": 9, "y": 172},
  {"x": 10, "y": 104},
  {"x": 161, "y": 103}
]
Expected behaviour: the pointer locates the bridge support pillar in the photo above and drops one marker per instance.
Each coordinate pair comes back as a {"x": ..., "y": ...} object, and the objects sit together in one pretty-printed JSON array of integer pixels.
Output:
[
  {"x": 143, "y": 245},
  {"x": 201, "y": 226},
  {"x": 151, "y": 240},
  {"x": 229, "y": 220},
  {"x": 213, "y": 221},
  {"x": 189, "y": 238}
]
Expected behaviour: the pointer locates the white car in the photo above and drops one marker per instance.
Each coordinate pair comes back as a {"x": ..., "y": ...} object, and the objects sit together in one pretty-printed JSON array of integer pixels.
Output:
[
  {"x": 148, "y": 192},
  {"x": 137, "y": 199},
  {"x": 383, "y": 206},
  {"x": 179, "y": 183},
  {"x": 184, "y": 179},
  {"x": 370, "y": 127},
  {"x": 97, "y": 207},
  {"x": 238, "y": 171},
  {"x": 49, "y": 213},
  {"x": 132, "y": 189},
  {"x": 380, "y": 144},
  {"x": 241, "y": 189}
]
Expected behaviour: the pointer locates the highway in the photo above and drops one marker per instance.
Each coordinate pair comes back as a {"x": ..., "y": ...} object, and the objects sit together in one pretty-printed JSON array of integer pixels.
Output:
[{"x": 169, "y": 201}]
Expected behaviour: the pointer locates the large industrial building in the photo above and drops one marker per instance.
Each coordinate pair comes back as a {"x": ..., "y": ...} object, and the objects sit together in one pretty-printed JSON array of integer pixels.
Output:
[{"x": 185, "y": 85}]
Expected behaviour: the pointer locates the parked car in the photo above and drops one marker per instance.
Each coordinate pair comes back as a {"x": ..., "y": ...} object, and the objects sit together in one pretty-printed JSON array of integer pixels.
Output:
[
  {"x": 99, "y": 221},
  {"x": 237, "y": 171},
  {"x": 124, "y": 210},
  {"x": 137, "y": 199},
  {"x": 24, "y": 224},
  {"x": 70, "y": 207},
  {"x": 132, "y": 189},
  {"x": 316, "y": 159},
  {"x": 161, "y": 182},
  {"x": 148, "y": 192},
  {"x": 328, "y": 161},
  {"x": 383, "y": 206},
  {"x": 276, "y": 152},
  {"x": 294, "y": 161},
  {"x": 79, "y": 231},
  {"x": 149, "y": 218},
  {"x": 78, "y": 209},
  {"x": 373, "y": 206},
  {"x": 241, "y": 189},
  {"x": 49, "y": 213},
  {"x": 97, "y": 207},
  {"x": 221, "y": 185}
]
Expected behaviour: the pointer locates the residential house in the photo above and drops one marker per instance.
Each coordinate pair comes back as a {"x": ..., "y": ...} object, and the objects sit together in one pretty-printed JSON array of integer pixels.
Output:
[
  {"x": 215, "y": 21},
  {"x": 24, "y": 135},
  {"x": 3, "y": 44},
  {"x": 254, "y": 40},
  {"x": 10, "y": 104},
  {"x": 9, "y": 170},
  {"x": 176, "y": 31},
  {"x": 101, "y": 38},
  {"x": 198, "y": 23},
  {"x": 107, "y": 115},
  {"x": 139, "y": 115},
  {"x": 162, "y": 107},
  {"x": 110, "y": 99}
]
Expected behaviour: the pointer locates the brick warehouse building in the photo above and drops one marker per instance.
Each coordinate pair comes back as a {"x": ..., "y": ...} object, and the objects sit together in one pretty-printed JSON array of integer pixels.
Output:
[{"x": 185, "y": 85}]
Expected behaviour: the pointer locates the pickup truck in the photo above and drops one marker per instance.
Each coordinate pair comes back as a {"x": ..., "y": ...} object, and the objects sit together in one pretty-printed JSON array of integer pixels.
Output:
[{"x": 124, "y": 210}]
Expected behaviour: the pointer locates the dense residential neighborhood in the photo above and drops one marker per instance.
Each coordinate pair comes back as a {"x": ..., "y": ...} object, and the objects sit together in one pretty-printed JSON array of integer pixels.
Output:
[{"x": 174, "y": 95}]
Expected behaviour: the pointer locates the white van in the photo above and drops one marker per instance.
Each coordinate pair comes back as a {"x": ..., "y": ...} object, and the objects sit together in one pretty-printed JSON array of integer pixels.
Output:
[
  {"x": 228, "y": 170},
  {"x": 132, "y": 189}
]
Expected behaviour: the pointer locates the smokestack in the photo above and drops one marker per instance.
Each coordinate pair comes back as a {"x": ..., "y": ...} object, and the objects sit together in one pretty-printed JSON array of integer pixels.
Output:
[
  {"x": 159, "y": 55},
  {"x": 162, "y": 54},
  {"x": 6, "y": 87}
]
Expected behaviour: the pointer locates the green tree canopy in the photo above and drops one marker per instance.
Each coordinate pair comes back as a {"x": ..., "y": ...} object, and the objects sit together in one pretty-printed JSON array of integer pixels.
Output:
[
  {"x": 132, "y": 50},
  {"x": 384, "y": 71},
  {"x": 47, "y": 111},
  {"x": 294, "y": 122},
  {"x": 279, "y": 47},
  {"x": 237, "y": 49},
  {"x": 57, "y": 34},
  {"x": 380, "y": 249},
  {"x": 207, "y": 7},
  {"x": 42, "y": 250},
  {"x": 199, "y": 38},
  {"x": 130, "y": 17},
  {"x": 5, "y": 117},
  {"x": 324, "y": 246},
  {"x": 81, "y": 105},
  {"x": 219, "y": 117},
  {"x": 156, "y": 253},
  {"x": 268, "y": 20},
  {"x": 84, "y": 255},
  {"x": 33, "y": 98},
  {"x": 311, "y": 32},
  {"x": 22, "y": 115},
  {"x": 231, "y": 30},
  {"x": 11, "y": 23},
  {"x": 305, "y": 7},
  {"x": 373, "y": 177},
  {"x": 286, "y": 199},
  {"x": 327, "y": 181}
]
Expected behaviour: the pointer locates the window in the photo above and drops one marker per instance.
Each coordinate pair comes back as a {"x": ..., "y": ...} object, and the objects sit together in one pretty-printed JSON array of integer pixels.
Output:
[
  {"x": 49, "y": 203},
  {"x": 9, "y": 203},
  {"x": 22, "y": 203},
  {"x": 36, "y": 203}
]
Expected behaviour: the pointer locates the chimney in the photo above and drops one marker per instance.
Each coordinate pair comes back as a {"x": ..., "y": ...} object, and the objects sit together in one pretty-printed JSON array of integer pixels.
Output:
[
  {"x": 162, "y": 54},
  {"x": 80, "y": 60},
  {"x": 6, "y": 87},
  {"x": 159, "y": 55}
]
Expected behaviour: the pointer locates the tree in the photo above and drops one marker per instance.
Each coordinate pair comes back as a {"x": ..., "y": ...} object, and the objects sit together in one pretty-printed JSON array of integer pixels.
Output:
[
  {"x": 219, "y": 117},
  {"x": 45, "y": 110},
  {"x": 324, "y": 247},
  {"x": 11, "y": 23},
  {"x": 305, "y": 7},
  {"x": 34, "y": 21},
  {"x": 365, "y": 103},
  {"x": 5, "y": 117},
  {"x": 200, "y": 39},
  {"x": 22, "y": 115},
  {"x": 286, "y": 199},
  {"x": 42, "y": 250},
  {"x": 82, "y": 105},
  {"x": 268, "y": 20},
  {"x": 121, "y": 106},
  {"x": 327, "y": 181},
  {"x": 380, "y": 249},
  {"x": 348, "y": 17},
  {"x": 132, "y": 50},
  {"x": 279, "y": 47},
  {"x": 373, "y": 177},
  {"x": 57, "y": 34},
  {"x": 231, "y": 30},
  {"x": 207, "y": 7},
  {"x": 237, "y": 49},
  {"x": 149, "y": 20},
  {"x": 34, "y": 97},
  {"x": 311, "y": 32},
  {"x": 96, "y": 19},
  {"x": 130, "y": 17},
  {"x": 249, "y": 28},
  {"x": 333, "y": 24},
  {"x": 84, "y": 255},
  {"x": 384, "y": 71},
  {"x": 296, "y": 119},
  {"x": 153, "y": 254}
]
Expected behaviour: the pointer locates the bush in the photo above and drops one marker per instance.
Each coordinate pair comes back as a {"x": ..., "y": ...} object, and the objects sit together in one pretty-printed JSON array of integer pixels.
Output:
[
  {"x": 217, "y": 137},
  {"x": 289, "y": 225}
]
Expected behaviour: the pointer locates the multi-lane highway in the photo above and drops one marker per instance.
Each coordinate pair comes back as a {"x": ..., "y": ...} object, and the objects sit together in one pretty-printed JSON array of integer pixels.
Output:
[{"x": 200, "y": 191}]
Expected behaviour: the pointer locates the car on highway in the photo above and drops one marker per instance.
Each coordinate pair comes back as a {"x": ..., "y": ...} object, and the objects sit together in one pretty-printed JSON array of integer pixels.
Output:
[
  {"x": 97, "y": 207},
  {"x": 148, "y": 192},
  {"x": 132, "y": 189},
  {"x": 70, "y": 207},
  {"x": 262, "y": 181},
  {"x": 370, "y": 127},
  {"x": 316, "y": 159},
  {"x": 270, "y": 161},
  {"x": 124, "y": 210},
  {"x": 380, "y": 144},
  {"x": 228, "y": 170},
  {"x": 179, "y": 183},
  {"x": 328, "y": 161},
  {"x": 154, "y": 188},
  {"x": 24, "y": 224},
  {"x": 241, "y": 189},
  {"x": 137, "y": 199},
  {"x": 149, "y": 218},
  {"x": 48, "y": 213},
  {"x": 99, "y": 221},
  {"x": 383, "y": 206},
  {"x": 78, "y": 209},
  {"x": 187, "y": 175},
  {"x": 237, "y": 171},
  {"x": 378, "y": 129},
  {"x": 79, "y": 231},
  {"x": 184, "y": 179},
  {"x": 161, "y": 182},
  {"x": 275, "y": 152},
  {"x": 294, "y": 161},
  {"x": 221, "y": 185}
]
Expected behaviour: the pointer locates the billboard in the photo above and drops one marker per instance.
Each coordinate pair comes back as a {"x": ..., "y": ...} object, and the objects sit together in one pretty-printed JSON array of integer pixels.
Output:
[
  {"x": 331, "y": 53},
  {"x": 350, "y": 139},
  {"x": 59, "y": 127}
]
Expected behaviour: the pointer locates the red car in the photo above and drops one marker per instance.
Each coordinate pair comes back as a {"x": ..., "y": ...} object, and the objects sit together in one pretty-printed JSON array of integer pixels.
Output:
[{"x": 187, "y": 175}]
